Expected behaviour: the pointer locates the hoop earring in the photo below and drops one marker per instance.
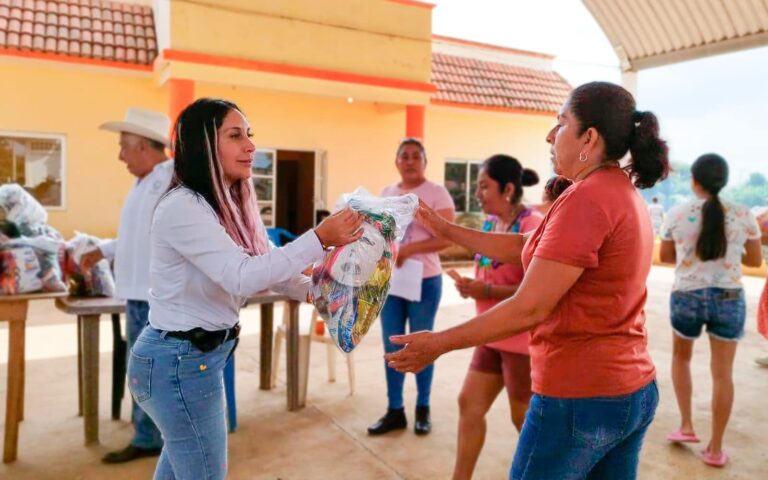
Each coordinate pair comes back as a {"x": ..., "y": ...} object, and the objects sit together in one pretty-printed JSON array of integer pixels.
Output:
[{"x": 583, "y": 156}]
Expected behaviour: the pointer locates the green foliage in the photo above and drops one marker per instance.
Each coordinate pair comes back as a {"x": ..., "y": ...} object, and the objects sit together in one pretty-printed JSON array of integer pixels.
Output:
[{"x": 676, "y": 189}]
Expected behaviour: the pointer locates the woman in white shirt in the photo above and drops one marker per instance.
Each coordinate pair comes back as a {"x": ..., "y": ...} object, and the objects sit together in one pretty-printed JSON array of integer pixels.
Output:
[
  {"x": 209, "y": 253},
  {"x": 708, "y": 239}
]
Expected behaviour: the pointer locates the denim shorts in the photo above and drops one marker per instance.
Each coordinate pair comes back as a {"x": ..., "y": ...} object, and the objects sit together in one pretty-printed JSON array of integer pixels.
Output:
[{"x": 722, "y": 310}]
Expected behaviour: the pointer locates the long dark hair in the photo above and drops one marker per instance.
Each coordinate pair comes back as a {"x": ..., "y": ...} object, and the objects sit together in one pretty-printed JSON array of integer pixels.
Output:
[
  {"x": 504, "y": 169},
  {"x": 610, "y": 109},
  {"x": 710, "y": 171},
  {"x": 197, "y": 167}
]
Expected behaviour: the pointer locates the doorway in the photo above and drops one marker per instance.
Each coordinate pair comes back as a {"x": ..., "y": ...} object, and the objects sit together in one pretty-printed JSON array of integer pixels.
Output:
[{"x": 295, "y": 191}]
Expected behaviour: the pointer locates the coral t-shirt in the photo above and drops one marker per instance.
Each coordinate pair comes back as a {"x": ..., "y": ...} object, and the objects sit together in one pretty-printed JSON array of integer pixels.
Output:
[{"x": 594, "y": 343}]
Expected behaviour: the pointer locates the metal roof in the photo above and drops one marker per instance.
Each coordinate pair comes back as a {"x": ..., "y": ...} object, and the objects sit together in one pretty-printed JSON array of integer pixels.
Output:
[{"x": 652, "y": 33}]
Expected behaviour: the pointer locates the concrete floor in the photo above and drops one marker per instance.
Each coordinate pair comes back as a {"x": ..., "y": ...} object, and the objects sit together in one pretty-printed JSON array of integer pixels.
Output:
[{"x": 328, "y": 439}]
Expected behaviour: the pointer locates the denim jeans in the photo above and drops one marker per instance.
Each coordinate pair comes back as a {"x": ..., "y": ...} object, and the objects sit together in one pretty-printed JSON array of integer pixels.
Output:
[
  {"x": 421, "y": 316},
  {"x": 146, "y": 434},
  {"x": 182, "y": 389},
  {"x": 577, "y": 438}
]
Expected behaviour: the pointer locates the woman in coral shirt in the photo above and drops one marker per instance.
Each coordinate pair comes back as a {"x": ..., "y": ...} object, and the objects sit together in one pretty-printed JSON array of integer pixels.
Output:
[{"x": 582, "y": 296}]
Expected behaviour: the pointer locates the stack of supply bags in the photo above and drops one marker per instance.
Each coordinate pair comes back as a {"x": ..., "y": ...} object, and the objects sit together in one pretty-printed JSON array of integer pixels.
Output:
[
  {"x": 31, "y": 252},
  {"x": 350, "y": 284}
]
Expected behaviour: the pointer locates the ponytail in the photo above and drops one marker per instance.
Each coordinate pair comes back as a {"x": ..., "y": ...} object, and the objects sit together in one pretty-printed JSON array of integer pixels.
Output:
[{"x": 710, "y": 171}]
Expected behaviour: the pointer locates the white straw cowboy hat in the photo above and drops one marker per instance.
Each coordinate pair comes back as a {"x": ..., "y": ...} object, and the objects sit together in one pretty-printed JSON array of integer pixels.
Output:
[{"x": 144, "y": 123}]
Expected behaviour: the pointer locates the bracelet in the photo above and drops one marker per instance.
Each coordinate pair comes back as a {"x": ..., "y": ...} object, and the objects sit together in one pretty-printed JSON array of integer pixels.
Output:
[{"x": 487, "y": 290}]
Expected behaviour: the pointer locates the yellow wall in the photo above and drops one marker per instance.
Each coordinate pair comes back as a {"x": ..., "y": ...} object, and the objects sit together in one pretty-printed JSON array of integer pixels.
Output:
[
  {"x": 463, "y": 134},
  {"x": 372, "y": 37},
  {"x": 361, "y": 138},
  {"x": 46, "y": 97}
]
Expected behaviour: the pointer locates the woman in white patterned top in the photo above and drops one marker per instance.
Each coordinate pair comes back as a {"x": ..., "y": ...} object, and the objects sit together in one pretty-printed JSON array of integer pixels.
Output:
[{"x": 708, "y": 239}]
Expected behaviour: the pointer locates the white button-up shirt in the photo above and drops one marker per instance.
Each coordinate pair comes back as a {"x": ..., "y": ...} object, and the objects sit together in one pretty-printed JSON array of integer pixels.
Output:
[
  {"x": 199, "y": 277},
  {"x": 130, "y": 250}
]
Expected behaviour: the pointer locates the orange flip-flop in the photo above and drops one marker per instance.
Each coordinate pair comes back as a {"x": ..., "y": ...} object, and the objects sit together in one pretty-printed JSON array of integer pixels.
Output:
[{"x": 680, "y": 437}]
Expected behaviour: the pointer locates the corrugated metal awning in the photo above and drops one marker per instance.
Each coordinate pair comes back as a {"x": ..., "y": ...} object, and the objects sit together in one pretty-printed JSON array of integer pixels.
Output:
[{"x": 651, "y": 33}]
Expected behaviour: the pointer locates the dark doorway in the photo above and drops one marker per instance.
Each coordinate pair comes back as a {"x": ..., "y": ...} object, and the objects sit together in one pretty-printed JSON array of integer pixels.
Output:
[{"x": 295, "y": 207}]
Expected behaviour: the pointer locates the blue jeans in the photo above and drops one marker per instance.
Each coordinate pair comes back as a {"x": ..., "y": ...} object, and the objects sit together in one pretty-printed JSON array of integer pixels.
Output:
[
  {"x": 182, "y": 389},
  {"x": 146, "y": 434},
  {"x": 577, "y": 438},
  {"x": 722, "y": 310},
  {"x": 421, "y": 315}
]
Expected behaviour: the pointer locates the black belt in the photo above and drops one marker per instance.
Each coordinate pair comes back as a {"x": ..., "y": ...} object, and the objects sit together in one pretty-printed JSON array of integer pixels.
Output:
[{"x": 206, "y": 341}]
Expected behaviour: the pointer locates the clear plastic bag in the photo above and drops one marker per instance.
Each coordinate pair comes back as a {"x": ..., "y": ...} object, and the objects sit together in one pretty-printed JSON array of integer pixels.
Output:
[
  {"x": 99, "y": 282},
  {"x": 21, "y": 208},
  {"x": 31, "y": 265},
  {"x": 350, "y": 284}
]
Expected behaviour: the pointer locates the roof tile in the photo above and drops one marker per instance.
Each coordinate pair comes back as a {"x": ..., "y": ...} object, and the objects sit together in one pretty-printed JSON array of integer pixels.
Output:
[{"x": 485, "y": 83}]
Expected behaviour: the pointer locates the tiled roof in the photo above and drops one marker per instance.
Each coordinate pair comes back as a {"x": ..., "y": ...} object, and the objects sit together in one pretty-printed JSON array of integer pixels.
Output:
[
  {"x": 99, "y": 29},
  {"x": 490, "y": 84}
]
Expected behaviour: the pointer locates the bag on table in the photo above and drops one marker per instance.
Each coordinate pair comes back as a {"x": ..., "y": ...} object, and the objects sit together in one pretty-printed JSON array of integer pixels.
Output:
[
  {"x": 350, "y": 284},
  {"x": 22, "y": 209},
  {"x": 29, "y": 265},
  {"x": 99, "y": 282}
]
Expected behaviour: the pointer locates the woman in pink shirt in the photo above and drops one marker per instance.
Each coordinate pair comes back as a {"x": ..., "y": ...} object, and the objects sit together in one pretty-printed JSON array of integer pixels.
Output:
[
  {"x": 582, "y": 297},
  {"x": 421, "y": 246},
  {"x": 505, "y": 363}
]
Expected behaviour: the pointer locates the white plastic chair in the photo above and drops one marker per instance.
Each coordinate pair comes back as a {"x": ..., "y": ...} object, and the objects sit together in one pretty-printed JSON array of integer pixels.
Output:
[{"x": 306, "y": 336}]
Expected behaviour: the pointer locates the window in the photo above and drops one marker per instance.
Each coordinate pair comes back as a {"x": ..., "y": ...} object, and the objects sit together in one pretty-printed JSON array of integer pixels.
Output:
[
  {"x": 461, "y": 182},
  {"x": 263, "y": 176},
  {"x": 36, "y": 162}
]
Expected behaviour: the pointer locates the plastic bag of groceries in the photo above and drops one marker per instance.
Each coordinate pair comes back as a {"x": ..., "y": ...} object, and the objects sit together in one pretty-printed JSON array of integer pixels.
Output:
[
  {"x": 99, "y": 282},
  {"x": 350, "y": 284},
  {"x": 30, "y": 265},
  {"x": 21, "y": 208}
]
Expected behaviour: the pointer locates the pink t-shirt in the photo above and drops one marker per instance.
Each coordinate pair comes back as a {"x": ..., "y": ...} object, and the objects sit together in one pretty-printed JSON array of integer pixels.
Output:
[
  {"x": 505, "y": 274},
  {"x": 437, "y": 198}
]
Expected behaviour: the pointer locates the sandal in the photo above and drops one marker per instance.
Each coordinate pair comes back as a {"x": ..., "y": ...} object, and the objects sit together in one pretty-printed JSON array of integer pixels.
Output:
[
  {"x": 712, "y": 460},
  {"x": 680, "y": 437}
]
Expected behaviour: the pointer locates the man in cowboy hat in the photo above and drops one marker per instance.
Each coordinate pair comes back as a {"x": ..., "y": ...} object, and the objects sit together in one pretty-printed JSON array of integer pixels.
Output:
[{"x": 143, "y": 140}]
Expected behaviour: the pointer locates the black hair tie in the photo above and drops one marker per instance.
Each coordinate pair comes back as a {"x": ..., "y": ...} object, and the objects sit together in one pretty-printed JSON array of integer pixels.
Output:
[{"x": 638, "y": 116}]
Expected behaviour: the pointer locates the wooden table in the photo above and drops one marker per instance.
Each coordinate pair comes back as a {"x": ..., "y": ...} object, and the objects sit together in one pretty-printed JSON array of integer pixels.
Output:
[
  {"x": 13, "y": 309},
  {"x": 267, "y": 300},
  {"x": 89, "y": 311}
]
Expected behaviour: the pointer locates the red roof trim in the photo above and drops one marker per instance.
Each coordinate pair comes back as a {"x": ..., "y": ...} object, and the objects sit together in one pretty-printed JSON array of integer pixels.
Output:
[
  {"x": 488, "y": 46},
  {"x": 76, "y": 60},
  {"x": 488, "y": 108},
  {"x": 414, "y": 3}
]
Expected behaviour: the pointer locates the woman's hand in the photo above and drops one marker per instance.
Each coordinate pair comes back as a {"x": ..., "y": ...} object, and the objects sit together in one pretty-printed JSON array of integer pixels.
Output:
[
  {"x": 436, "y": 224},
  {"x": 420, "y": 349},
  {"x": 341, "y": 228},
  {"x": 402, "y": 253},
  {"x": 469, "y": 288}
]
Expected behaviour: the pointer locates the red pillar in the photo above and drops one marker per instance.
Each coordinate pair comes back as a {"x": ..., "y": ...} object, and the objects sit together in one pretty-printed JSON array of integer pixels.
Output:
[
  {"x": 414, "y": 121},
  {"x": 181, "y": 93}
]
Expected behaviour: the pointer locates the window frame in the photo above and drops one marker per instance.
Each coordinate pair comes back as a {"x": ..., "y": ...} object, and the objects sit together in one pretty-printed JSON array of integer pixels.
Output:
[
  {"x": 468, "y": 192},
  {"x": 272, "y": 177},
  {"x": 62, "y": 138}
]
